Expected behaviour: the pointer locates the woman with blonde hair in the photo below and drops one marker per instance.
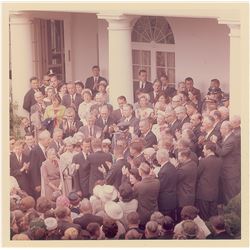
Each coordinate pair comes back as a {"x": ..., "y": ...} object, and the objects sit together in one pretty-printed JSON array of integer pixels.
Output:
[{"x": 70, "y": 234}]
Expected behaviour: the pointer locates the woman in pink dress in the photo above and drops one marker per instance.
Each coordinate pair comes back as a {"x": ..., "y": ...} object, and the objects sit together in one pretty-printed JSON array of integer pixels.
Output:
[{"x": 51, "y": 175}]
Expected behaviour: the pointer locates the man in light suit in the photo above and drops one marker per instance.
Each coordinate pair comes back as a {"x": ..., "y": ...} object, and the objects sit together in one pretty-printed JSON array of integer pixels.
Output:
[
  {"x": 142, "y": 85},
  {"x": 167, "y": 175},
  {"x": 91, "y": 130},
  {"x": 92, "y": 81},
  {"x": 29, "y": 98},
  {"x": 230, "y": 153},
  {"x": 40, "y": 105},
  {"x": 37, "y": 157},
  {"x": 57, "y": 142},
  {"x": 72, "y": 99}
]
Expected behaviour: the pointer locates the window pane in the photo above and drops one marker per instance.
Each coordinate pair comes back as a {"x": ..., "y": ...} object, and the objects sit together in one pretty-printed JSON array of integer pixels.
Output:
[
  {"x": 160, "y": 71},
  {"x": 160, "y": 58},
  {"x": 171, "y": 59},
  {"x": 171, "y": 75},
  {"x": 136, "y": 56},
  {"x": 146, "y": 60}
]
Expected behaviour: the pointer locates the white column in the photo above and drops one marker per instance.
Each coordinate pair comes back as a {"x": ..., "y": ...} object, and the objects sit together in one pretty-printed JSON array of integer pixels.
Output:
[
  {"x": 235, "y": 65},
  {"x": 120, "y": 57},
  {"x": 21, "y": 57}
]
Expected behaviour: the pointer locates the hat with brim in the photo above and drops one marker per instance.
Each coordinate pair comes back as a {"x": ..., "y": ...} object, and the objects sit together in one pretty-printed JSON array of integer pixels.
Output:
[
  {"x": 50, "y": 223},
  {"x": 113, "y": 210},
  {"x": 106, "y": 193}
]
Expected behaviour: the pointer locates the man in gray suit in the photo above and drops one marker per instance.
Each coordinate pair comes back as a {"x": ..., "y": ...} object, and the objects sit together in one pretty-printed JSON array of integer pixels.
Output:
[
  {"x": 91, "y": 130},
  {"x": 230, "y": 153}
]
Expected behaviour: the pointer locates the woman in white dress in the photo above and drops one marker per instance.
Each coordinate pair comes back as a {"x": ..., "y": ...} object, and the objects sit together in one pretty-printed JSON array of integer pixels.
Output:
[
  {"x": 84, "y": 107},
  {"x": 143, "y": 111},
  {"x": 68, "y": 169},
  {"x": 160, "y": 126}
]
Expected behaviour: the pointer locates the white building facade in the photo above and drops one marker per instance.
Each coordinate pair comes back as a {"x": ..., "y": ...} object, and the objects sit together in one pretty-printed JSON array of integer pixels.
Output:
[{"x": 183, "y": 42}]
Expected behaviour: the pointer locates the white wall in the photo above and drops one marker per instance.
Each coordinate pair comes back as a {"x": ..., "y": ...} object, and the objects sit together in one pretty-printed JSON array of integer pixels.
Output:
[
  {"x": 84, "y": 45},
  {"x": 202, "y": 50},
  {"x": 103, "y": 47}
]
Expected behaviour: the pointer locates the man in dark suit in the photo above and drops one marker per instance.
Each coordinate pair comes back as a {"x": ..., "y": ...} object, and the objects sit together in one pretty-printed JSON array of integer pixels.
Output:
[
  {"x": 37, "y": 157},
  {"x": 114, "y": 175},
  {"x": 130, "y": 119},
  {"x": 81, "y": 178},
  {"x": 70, "y": 124},
  {"x": 172, "y": 121},
  {"x": 29, "y": 98},
  {"x": 230, "y": 153},
  {"x": 147, "y": 134},
  {"x": 190, "y": 88},
  {"x": 29, "y": 144},
  {"x": 186, "y": 183},
  {"x": 146, "y": 192},
  {"x": 117, "y": 114},
  {"x": 97, "y": 159},
  {"x": 167, "y": 175},
  {"x": 195, "y": 120},
  {"x": 168, "y": 89},
  {"x": 19, "y": 167},
  {"x": 92, "y": 81},
  {"x": 142, "y": 85},
  {"x": 208, "y": 182},
  {"x": 217, "y": 120},
  {"x": 28, "y": 126},
  {"x": 157, "y": 90},
  {"x": 91, "y": 130},
  {"x": 72, "y": 99},
  {"x": 136, "y": 151},
  {"x": 181, "y": 113},
  {"x": 87, "y": 215},
  {"x": 105, "y": 121}
]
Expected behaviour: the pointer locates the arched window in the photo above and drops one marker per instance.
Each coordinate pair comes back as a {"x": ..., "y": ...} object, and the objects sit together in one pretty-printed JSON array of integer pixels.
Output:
[{"x": 153, "y": 48}]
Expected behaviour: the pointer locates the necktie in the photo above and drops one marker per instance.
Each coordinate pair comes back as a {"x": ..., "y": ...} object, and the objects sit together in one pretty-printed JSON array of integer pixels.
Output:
[
  {"x": 72, "y": 99},
  {"x": 90, "y": 131}
]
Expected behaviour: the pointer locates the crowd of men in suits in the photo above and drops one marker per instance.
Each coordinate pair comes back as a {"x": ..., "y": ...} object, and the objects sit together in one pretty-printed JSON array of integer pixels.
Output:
[{"x": 162, "y": 167}]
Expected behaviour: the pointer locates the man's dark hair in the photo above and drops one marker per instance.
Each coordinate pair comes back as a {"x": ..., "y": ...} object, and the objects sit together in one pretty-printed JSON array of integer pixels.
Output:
[
  {"x": 122, "y": 97},
  {"x": 142, "y": 71},
  {"x": 96, "y": 67},
  {"x": 29, "y": 134},
  {"x": 189, "y": 79},
  {"x": 168, "y": 223},
  {"x": 210, "y": 146},
  {"x": 109, "y": 228},
  {"x": 217, "y": 222},
  {"x": 165, "y": 76},
  {"x": 216, "y": 80},
  {"x": 33, "y": 78},
  {"x": 186, "y": 153},
  {"x": 217, "y": 114}
]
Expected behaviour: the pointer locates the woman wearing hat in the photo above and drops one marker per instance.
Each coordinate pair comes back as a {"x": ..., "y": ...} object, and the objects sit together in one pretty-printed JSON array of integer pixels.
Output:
[
  {"x": 51, "y": 175},
  {"x": 49, "y": 93},
  {"x": 68, "y": 169}
]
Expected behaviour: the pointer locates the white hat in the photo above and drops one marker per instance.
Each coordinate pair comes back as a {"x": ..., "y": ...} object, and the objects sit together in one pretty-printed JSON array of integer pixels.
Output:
[
  {"x": 50, "y": 223},
  {"x": 105, "y": 193},
  {"x": 69, "y": 140},
  {"x": 106, "y": 141},
  {"x": 78, "y": 136},
  {"x": 113, "y": 210}
]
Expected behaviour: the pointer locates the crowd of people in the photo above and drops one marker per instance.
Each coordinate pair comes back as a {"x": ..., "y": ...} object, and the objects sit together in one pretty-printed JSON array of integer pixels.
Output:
[{"x": 164, "y": 167}]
